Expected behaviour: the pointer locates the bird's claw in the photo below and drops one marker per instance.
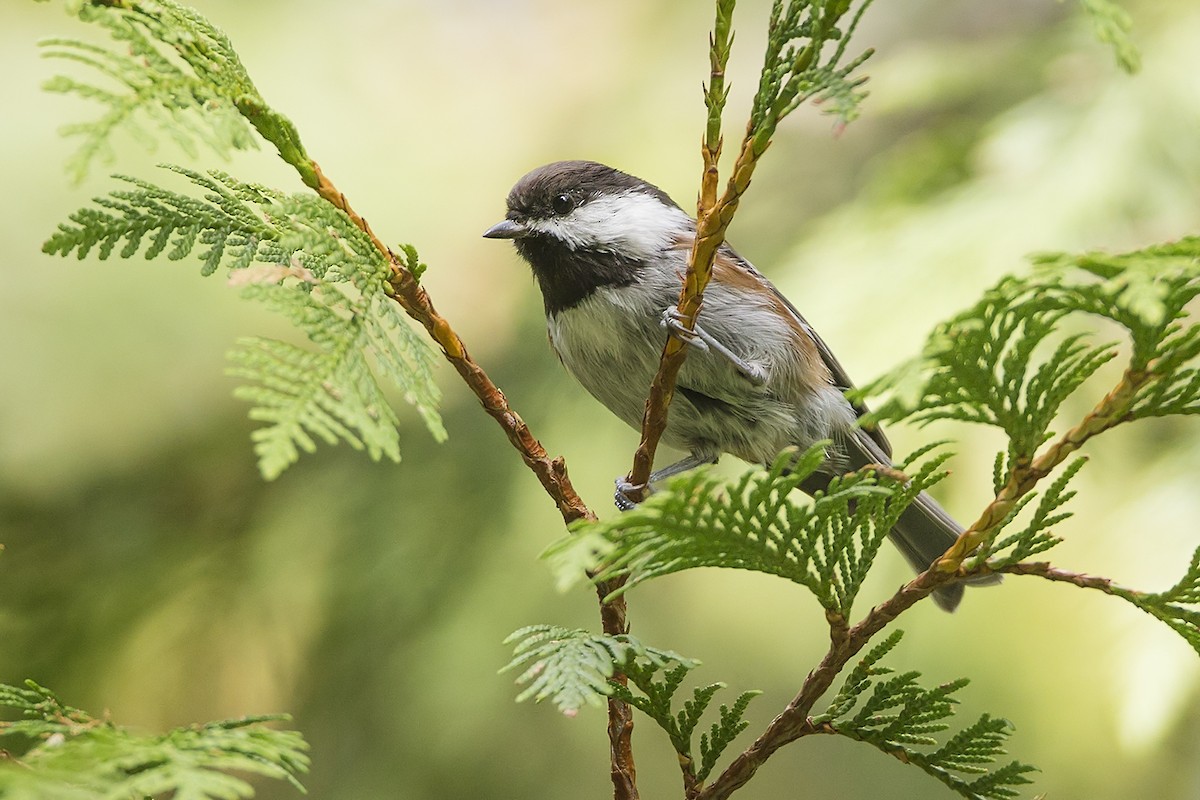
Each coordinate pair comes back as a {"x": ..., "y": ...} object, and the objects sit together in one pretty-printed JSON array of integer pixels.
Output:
[
  {"x": 621, "y": 495},
  {"x": 672, "y": 320},
  {"x": 697, "y": 337}
]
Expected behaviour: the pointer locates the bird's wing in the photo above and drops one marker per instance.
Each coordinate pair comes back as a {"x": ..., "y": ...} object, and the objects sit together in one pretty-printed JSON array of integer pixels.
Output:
[{"x": 728, "y": 259}]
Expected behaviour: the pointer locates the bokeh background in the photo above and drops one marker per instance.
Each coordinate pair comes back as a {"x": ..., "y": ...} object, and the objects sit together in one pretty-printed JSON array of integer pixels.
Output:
[{"x": 151, "y": 572}]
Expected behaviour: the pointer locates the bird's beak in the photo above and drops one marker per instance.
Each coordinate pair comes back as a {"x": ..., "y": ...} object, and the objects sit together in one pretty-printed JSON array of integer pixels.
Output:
[{"x": 505, "y": 229}]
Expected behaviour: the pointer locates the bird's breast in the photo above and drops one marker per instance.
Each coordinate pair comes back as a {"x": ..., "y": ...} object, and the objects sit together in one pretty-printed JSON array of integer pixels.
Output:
[
  {"x": 610, "y": 348},
  {"x": 612, "y": 341}
]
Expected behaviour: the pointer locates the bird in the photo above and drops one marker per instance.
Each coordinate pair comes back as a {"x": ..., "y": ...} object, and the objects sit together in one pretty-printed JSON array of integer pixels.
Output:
[{"x": 608, "y": 250}]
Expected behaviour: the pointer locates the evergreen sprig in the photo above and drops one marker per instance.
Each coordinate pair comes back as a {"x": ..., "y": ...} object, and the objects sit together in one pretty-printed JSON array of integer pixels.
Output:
[
  {"x": 716, "y": 91},
  {"x": 722, "y": 732},
  {"x": 572, "y": 667},
  {"x": 66, "y": 754},
  {"x": 1112, "y": 25},
  {"x": 226, "y": 220},
  {"x": 1178, "y": 607},
  {"x": 1036, "y": 537},
  {"x": 979, "y": 367},
  {"x": 656, "y": 701},
  {"x": 756, "y": 523},
  {"x": 657, "y": 695},
  {"x": 983, "y": 366},
  {"x": 305, "y": 260},
  {"x": 799, "y": 66},
  {"x": 897, "y": 716},
  {"x": 1145, "y": 291},
  {"x": 172, "y": 69}
]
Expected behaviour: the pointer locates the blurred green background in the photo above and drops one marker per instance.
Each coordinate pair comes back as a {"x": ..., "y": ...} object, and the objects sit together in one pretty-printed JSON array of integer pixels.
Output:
[{"x": 151, "y": 572}]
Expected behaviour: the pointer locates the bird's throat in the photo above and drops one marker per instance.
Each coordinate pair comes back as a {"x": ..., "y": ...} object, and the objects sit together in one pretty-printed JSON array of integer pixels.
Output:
[{"x": 568, "y": 277}]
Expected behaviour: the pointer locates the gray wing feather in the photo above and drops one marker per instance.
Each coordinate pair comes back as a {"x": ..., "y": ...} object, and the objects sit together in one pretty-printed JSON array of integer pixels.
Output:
[{"x": 840, "y": 378}]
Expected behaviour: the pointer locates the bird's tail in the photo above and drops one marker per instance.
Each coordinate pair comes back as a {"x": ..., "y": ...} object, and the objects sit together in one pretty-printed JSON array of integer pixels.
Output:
[{"x": 924, "y": 531}]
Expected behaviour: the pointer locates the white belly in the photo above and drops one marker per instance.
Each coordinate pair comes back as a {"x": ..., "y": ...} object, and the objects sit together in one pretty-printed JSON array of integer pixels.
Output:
[
  {"x": 598, "y": 341},
  {"x": 612, "y": 347}
]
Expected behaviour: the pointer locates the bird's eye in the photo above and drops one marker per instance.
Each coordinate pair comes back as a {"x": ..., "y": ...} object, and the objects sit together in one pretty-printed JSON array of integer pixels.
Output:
[{"x": 562, "y": 204}]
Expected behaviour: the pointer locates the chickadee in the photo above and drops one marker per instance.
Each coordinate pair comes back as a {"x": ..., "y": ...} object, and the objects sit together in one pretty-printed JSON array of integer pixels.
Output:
[{"x": 607, "y": 250}]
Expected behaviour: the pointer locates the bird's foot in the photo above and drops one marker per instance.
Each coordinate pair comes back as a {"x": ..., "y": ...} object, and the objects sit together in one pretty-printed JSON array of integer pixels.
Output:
[
  {"x": 624, "y": 489},
  {"x": 672, "y": 320}
]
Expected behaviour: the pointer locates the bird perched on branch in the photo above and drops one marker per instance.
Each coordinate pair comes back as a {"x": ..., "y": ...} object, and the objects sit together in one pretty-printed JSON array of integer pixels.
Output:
[{"x": 607, "y": 250}]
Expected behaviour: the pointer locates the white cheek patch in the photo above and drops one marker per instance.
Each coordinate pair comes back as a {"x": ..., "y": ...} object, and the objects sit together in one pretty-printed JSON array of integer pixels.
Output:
[{"x": 633, "y": 223}]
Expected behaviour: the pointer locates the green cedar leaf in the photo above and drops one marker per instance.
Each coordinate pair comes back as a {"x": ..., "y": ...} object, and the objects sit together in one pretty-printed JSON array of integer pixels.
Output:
[
  {"x": 806, "y": 60},
  {"x": 572, "y": 667},
  {"x": 1112, "y": 25},
  {"x": 1009, "y": 361},
  {"x": 897, "y": 716},
  {"x": 70, "y": 754},
  {"x": 723, "y": 732},
  {"x": 305, "y": 260},
  {"x": 760, "y": 523},
  {"x": 1036, "y": 536},
  {"x": 1178, "y": 607}
]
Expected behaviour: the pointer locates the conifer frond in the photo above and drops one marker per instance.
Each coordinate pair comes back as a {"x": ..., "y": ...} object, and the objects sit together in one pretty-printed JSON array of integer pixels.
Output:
[
  {"x": 899, "y": 717},
  {"x": 656, "y": 701},
  {"x": 983, "y": 365},
  {"x": 860, "y": 678},
  {"x": 979, "y": 367},
  {"x": 1112, "y": 25},
  {"x": 1188, "y": 589},
  {"x": 716, "y": 91},
  {"x": 405, "y": 358},
  {"x": 657, "y": 696},
  {"x": 225, "y": 220},
  {"x": 1178, "y": 607},
  {"x": 171, "y": 69},
  {"x": 305, "y": 260},
  {"x": 1145, "y": 291},
  {"x": 799, "y": 66},
  {"x": 1036, "y": 537},
  {"x": 330, "y": 392},
  {"x": 69, "y": 754},
  {"x": 572, "y": 558},
  {"x": 572, "y": 667},
  {"x": 722, "y": 732},
  {"x": 758, "y": 523}
]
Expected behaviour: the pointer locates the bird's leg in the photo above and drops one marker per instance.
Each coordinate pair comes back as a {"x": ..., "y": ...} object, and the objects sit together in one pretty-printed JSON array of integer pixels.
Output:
[
  {"x": 621, "y": 496},
  {"x": 703, "y": 340}
]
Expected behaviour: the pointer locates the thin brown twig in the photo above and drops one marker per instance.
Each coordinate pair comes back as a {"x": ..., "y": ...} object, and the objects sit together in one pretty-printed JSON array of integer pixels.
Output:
[
  {"x": 413, "y": 298},
  {"x": 712, "y": 220},
  {"x": 1043, "y": 569},
  {"x": 622, "y": 767},
  {"x": 551, "y": 472}
]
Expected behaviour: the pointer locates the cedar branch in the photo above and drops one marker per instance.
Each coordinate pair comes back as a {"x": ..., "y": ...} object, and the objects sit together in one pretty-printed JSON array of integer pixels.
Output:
[{"x": 794, "y": 721}]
